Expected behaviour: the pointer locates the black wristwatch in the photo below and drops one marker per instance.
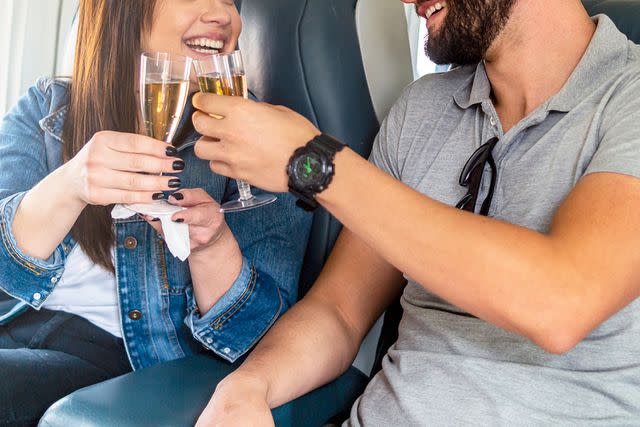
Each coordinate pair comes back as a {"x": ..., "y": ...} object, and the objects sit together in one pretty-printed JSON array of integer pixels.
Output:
[{"x": 311, "y": 169}]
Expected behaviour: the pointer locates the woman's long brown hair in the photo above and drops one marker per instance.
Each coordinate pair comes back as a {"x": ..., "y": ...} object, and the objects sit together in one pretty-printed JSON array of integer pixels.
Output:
[{"x": 103, "y": 97}]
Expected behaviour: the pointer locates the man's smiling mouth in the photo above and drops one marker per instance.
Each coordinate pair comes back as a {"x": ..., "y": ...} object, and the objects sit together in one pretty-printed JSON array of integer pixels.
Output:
[{"x": 435, "y": 9}]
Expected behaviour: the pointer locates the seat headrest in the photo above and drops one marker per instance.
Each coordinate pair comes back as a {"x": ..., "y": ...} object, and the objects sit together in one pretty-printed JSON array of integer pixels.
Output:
[
  {"x": 625, "y": 14},
  {"x": 385, "y": 49}
]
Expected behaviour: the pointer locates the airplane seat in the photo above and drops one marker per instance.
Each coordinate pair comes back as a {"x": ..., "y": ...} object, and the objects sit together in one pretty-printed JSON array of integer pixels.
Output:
[
  {"x": 340, "y": 63},
  {"x": 304, "y": 55}
]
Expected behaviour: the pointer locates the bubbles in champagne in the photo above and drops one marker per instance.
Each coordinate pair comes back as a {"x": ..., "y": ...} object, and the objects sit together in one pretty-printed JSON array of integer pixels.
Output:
[
  {"x": 162, "y": 109},
  {"x": 218, "y": 84}
]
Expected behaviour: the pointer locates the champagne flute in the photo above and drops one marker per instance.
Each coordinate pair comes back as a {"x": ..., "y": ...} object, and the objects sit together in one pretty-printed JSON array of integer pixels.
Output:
[
  {"x": 224, "y": 74},
  {"x": 164, "y": 89}
]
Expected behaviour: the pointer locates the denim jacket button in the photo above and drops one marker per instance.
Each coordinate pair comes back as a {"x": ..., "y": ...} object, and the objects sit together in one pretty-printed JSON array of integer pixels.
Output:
[
  {"x": 227, "y": 350},
  {"x": 37, "y": 296},
  {"x": 209, "y": 341},
  {"x": 130, "y": 242},
  {"x": 135, "y": 315}
]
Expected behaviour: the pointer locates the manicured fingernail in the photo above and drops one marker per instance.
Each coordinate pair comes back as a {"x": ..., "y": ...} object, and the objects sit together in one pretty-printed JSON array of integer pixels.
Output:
[
  {"x": 178, "y": 196},
  {"x": 179, "y": 220},
  {"x": 171, "y": 151},
  {"x": 158, "y": 196},
  {"x": 178, "y": 165},
  {"x": 175, "y": 183},
  {"x": 155, "y": 219}
]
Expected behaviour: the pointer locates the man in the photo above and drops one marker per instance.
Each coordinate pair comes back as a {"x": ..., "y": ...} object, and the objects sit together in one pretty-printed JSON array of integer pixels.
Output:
[{"x": 521, "y": 306}]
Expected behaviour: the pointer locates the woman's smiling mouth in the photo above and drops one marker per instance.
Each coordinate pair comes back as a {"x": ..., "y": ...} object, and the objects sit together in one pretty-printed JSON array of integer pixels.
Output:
[{"x": 205, "y": 45}]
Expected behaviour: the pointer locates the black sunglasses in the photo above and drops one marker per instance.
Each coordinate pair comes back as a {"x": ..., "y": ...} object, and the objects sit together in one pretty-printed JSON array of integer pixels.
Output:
[{"x": 471, "y": 177}]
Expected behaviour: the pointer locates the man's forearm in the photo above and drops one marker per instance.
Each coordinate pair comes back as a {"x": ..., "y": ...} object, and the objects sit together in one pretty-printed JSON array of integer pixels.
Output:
[
  {"x": 513, "y": 277},
  {"x": 308, "y": 347}
]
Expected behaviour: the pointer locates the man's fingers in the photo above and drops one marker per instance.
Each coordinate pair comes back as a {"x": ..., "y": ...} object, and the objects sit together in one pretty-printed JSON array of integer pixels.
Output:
[
  {"x": 210, "y": 149},
  {"x": 216, "y": 104},
  {"x": 207, "y": 124},
  {"x": 221, "y": 168}
]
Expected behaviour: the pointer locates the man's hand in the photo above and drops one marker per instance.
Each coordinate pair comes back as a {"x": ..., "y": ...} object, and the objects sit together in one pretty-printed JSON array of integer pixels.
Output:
[
  {"x": 252, "y": 141},
  {"x": 237, "y": 403}
]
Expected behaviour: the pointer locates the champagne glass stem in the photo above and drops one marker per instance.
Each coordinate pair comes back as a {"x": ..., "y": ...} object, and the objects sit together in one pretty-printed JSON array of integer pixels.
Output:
[{"x": 244, "y": 190}]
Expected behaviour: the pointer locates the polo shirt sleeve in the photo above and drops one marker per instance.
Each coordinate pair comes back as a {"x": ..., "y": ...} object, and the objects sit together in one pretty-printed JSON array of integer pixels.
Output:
[
  {"x": 619, "y": 149},
  {"x": 386, "y": 146}
]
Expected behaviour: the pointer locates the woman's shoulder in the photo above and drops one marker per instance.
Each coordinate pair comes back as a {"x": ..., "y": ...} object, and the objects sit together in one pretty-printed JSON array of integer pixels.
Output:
[
  {"x": 43, "y": 107},
  {"x": 52, "y": 93}
]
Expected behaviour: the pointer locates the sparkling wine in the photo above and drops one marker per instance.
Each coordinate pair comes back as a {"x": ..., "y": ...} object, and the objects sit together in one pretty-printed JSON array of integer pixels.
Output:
[
  {"x": 162, "y": 108},
  {"x": 215, "y": 83}
]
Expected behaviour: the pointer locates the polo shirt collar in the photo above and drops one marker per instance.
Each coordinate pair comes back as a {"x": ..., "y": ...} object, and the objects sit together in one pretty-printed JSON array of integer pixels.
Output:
[{"x": 606, "y": 53}]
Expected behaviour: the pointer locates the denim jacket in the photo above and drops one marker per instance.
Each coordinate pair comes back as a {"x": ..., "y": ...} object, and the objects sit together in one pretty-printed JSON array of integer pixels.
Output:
[{"x": 158, "y": 313}]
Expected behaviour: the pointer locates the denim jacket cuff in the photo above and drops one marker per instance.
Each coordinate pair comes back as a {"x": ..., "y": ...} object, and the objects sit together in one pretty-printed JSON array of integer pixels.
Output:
[
  {"x": 240, "y": 318},
  {"x": 32, "y": 279}
]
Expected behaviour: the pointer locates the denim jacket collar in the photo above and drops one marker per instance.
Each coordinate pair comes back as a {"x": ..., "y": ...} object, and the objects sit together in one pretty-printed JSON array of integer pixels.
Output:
[{"x": 53, "y": 124}]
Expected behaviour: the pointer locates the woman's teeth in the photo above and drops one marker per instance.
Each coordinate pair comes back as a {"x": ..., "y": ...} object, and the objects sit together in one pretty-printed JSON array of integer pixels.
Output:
[
  {"x": 435, "y": 8},
  {"x": 204, "y": 45}
]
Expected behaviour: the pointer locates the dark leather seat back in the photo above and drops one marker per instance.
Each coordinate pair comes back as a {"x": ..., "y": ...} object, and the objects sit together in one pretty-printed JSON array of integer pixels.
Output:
[
  {"x": 304, "y": 54},
  {"x": 625, "y": 13}
]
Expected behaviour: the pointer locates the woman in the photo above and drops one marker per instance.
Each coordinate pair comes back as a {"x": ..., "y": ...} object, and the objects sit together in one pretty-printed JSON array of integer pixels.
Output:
[{"x": 108, "y": 296}]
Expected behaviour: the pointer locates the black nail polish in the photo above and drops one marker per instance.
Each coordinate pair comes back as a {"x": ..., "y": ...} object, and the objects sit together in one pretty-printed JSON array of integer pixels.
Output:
[
  {"x": 179, "y": 220},
  {"x": 158, "y": 196},
  {"x": 178, "y": 165},
  {"x": 171, "y": 151},
  {"x": 155, "y": 219},
  {"x": 178, "y": 196},
  {"x": 175, "y": 183}
]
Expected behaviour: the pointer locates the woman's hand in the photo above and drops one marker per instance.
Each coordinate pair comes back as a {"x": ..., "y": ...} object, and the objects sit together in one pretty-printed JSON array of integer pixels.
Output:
[
  {"x": 202, "y": 214},
  {"x": 107, "y": 169},
  {"x": 237, "y": 403},
  {"x": 252, "y": 141}
]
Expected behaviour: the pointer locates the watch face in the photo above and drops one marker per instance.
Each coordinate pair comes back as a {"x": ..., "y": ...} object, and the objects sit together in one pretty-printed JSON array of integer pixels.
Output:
[{"x": 308, "y": 168}]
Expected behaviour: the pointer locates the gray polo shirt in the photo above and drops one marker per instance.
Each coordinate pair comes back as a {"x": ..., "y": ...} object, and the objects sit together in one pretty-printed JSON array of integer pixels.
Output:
[{"x": 448, "y": 368}]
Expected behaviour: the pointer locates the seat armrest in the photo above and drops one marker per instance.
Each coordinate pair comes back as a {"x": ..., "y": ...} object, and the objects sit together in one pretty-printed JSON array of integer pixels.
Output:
[{"x": 175, "y": 393}]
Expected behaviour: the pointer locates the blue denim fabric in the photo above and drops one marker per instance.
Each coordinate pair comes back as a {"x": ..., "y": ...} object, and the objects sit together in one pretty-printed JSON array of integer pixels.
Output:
[{"x": 272, "y": 239}]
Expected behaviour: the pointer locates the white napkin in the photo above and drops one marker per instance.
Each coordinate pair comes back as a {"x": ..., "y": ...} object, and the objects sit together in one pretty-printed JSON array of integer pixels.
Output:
[{"x": 176, "y": 235}]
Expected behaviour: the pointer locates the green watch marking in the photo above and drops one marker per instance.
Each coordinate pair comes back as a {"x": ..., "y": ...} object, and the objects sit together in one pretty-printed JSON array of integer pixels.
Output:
[{"x": 307, "y": 166}]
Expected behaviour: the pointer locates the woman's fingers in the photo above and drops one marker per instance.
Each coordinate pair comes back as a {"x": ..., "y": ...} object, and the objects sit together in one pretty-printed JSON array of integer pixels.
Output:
[
  {"x": 139, "y": 144},
  {"x": 190, "y": 197},
  {"x": 108, "y": 196},
  {"x": 154, "y": 223},
  {"x": 133, "y": 181},
  {"x": 130, "y": 162},
  {"x": 203, "y": 215}
]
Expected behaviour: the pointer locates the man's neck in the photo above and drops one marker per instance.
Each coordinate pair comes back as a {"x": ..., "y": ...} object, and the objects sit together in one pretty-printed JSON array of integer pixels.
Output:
[{"x": 535, "y": 55}]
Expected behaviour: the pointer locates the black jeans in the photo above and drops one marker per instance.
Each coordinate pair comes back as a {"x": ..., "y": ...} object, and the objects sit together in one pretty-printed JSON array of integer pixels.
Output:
[{"x": 45, "y": 355}]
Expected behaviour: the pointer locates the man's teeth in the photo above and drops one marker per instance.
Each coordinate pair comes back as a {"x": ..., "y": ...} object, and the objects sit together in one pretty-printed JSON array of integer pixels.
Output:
[
  {"x": 436, "y": 7},
  {"x": 204, "y": 45}
]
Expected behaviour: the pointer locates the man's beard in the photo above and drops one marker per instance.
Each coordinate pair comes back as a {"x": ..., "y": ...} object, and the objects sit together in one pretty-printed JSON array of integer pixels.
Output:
[{"x": 468, "y": 30}]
